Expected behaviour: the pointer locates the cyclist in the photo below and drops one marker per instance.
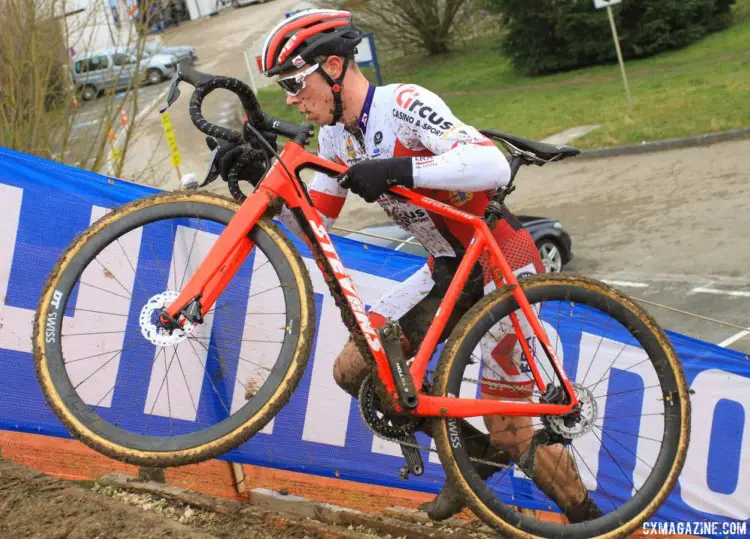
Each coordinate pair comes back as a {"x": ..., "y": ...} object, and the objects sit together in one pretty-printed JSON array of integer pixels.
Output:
[{"x": 403, "y": 134}]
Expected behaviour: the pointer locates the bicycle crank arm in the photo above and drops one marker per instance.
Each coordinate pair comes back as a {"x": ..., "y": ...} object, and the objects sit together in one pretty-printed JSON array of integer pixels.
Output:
[
  {"x": 413, "y": 457},
  {"x": 390, "y": 334}
]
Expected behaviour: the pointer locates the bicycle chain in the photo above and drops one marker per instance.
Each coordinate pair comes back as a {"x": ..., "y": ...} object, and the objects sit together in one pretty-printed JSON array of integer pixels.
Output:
[{"x": 366, "y": 415}]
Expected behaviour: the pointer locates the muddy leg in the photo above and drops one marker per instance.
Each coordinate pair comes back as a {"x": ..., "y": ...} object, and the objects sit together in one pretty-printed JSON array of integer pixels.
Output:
[
  {"x": 551, "y": 467},
  {"x": 350, "y": 369}
]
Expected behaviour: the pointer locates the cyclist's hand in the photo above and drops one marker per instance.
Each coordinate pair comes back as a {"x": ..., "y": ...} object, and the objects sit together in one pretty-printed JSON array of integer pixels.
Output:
[
  {"x": 227, "y": 155},
  {"x": 370, "y": 179},
  {"x": 252, "y": 139}
]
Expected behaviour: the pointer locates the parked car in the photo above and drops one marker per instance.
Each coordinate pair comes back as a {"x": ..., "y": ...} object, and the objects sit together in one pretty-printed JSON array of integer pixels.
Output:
[
  {"x": 114, "y": 69},
  {"x": 552, "y": 241},
  {"x": 181, "y": 52},
  {"x": 243, "y": 3}
]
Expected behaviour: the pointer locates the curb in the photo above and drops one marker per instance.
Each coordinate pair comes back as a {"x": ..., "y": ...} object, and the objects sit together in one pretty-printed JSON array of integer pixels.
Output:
[
  {"x": 668, "y": 144},
  {"x": 331, "y": 521}
]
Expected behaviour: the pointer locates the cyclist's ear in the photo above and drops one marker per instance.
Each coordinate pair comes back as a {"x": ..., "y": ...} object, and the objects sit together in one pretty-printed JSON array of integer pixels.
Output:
[{"x": 333, "y": 65}]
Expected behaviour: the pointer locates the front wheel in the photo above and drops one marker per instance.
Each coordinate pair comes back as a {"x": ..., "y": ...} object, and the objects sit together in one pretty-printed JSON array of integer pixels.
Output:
[
  {"x": 152, "y": 397},
  {"x": 599, "y": 471},
  {"x": 154, "y": 76}
]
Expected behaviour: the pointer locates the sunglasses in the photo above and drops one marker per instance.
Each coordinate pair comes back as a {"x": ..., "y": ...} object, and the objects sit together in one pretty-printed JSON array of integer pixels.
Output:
[{"x": 294, "y": 84}]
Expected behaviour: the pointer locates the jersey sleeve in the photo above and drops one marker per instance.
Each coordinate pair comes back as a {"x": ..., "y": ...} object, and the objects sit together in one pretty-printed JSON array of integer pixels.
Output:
[
  {"x": 463, "y": 158},
  {"x": 327, "y": 195}
]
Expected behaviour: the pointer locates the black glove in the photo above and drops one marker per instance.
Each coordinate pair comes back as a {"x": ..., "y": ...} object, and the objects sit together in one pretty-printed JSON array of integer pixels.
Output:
[
  {"x": 370, "y": 179},
  {"x": 229, "y": 152}
]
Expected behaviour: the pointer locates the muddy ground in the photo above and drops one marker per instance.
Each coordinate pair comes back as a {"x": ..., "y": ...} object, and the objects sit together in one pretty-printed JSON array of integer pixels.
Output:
[{"x": 33, "y": 504}]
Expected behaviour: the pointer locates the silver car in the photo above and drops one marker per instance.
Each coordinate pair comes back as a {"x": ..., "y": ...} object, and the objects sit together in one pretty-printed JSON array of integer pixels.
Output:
[
  {"x": 114, "y": 69},
  {"x": 181, "y": 52}
]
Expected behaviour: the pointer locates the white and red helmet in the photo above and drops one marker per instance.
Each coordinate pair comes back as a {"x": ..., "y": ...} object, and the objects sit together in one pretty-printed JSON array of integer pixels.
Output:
[{"x": 299, "y": 39}]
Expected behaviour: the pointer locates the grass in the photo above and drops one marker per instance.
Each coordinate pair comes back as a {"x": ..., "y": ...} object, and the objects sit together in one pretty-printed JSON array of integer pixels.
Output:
[{"x": 700, "y": 89}]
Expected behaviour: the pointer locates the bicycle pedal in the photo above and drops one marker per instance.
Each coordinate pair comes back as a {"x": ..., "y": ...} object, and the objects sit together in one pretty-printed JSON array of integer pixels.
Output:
[{"x": 414, "y": 463}]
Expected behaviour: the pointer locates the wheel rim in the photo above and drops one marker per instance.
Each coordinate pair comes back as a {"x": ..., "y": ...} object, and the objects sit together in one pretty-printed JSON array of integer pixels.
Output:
[
  {"x": 154, "y": 77},
  {"x": 551, "y": 257},
  {"x": 215, "y": 408},
  {"x": 670, "y": 452}
]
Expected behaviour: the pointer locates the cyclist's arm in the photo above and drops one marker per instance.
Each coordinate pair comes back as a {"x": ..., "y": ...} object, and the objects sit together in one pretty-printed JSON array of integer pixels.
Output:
[
  {"x": 326, "y": 194},
  {"x": 464, "y": 158}
]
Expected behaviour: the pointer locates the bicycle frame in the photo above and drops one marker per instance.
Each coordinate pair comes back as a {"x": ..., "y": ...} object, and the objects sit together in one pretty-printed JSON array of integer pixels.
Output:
[{"x": 277, "y": 187}]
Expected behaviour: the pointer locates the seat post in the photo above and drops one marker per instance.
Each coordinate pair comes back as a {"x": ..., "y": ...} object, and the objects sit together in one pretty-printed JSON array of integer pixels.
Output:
[{"x": 494, "y": 210}]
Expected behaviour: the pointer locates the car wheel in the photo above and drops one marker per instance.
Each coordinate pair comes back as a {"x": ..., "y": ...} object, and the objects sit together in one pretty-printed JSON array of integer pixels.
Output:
[
  {"x": 88, "y": 92},
  {"x": 154, "y": 76},
  {"x": 551, "y": 256}
]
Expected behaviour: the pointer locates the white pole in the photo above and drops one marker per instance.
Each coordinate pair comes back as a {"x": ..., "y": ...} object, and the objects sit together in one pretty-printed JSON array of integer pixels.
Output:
[
  {"x": 619, "y": 54},
  {"x": 250, "y": 71}
]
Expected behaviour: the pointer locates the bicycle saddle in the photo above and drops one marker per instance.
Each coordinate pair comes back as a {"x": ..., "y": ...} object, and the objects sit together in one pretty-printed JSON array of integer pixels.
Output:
[{"x": 542, "y": 150}]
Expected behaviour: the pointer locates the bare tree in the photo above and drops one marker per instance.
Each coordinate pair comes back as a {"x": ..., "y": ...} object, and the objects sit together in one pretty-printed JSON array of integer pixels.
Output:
[
  {"x": 40, "y": 112},
  {"x": 429, "y": 25}
]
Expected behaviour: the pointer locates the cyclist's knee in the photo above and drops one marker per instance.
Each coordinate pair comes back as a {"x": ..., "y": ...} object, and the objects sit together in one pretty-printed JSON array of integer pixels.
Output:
[{"x": 350, "y": 369}]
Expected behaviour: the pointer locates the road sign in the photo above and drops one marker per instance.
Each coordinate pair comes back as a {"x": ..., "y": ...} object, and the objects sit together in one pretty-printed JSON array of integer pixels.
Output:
[
  {"x": 599, "y": 4},
  {"x": 171, "y": 140},
  {"x": 367, "y": 55},
  {"x": 608, "y": 4}
]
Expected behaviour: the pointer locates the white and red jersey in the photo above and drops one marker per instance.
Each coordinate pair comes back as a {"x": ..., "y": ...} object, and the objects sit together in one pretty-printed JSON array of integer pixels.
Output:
[{"x": 452, "y": 162}]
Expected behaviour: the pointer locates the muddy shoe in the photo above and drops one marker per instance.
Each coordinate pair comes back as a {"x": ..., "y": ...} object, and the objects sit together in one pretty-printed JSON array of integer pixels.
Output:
[
  {"x": 584, "y": 511},
  {"x": 445, "y": 505}
]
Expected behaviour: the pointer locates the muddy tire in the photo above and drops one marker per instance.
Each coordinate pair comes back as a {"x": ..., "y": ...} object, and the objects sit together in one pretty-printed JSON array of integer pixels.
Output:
[
  {"x": 162, "y": 451},
  {"x": 460, "y": 469}
]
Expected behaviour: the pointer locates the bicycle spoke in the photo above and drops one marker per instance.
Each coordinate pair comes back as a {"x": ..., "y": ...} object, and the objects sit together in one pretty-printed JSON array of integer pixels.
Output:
[
  {"x": 231, "y": 350},
  {"x": 628, "y": 391},
  {"x": 615, "y": 461},
  {"x": 100, "y": 312},
  {"x": 620, "y": 370},
  {"x": 187, "y": 262},
  {"x": 96, "y": 355},
  {"x": 601, "y": 340},
  {"x": 631, "y": 434},
  {"x": 594, "y": 476},
  {"x": 163, "y": 380},
  {"x": 111, "y": 275},
  {"x": 174, "y": 254},
  {"x": 97, "y": 370},
  {"x": 140, "y": 287},
  {"x": 210, "y": 379},
  {"x": 624, "y": 447},
  {"x": 141, "y": 381},
  {"x": 107, "y": 291},
  {"x": 166, "y": 377},
  {"x": 187, "y": 386},
  {"x": 91, "y": 333},
  {"x": 243, "y": 340}
]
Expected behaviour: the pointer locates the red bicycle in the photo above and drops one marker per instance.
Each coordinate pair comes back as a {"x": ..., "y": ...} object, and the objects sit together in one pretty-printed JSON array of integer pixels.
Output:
[{"x": 124, "y": 327}]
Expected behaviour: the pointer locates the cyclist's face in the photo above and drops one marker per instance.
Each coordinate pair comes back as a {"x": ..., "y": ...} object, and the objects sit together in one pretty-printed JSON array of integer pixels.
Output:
[{"x": 315, "y": 101}]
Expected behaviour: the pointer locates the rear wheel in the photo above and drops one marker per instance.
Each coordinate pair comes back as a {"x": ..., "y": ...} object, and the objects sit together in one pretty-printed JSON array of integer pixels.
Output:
[
  {"x": 152, "y": 397},
  {"x": 609, "y": 465}
]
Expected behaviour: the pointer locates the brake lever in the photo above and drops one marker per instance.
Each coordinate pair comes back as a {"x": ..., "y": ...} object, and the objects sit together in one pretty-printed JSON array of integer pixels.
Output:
[
  {"x": 213, "y": 168},
  {"x": 173, "y": 93}
]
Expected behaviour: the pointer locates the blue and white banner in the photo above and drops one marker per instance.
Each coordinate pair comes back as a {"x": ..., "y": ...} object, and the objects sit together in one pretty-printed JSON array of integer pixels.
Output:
[{"x": 43, "y": 205}]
